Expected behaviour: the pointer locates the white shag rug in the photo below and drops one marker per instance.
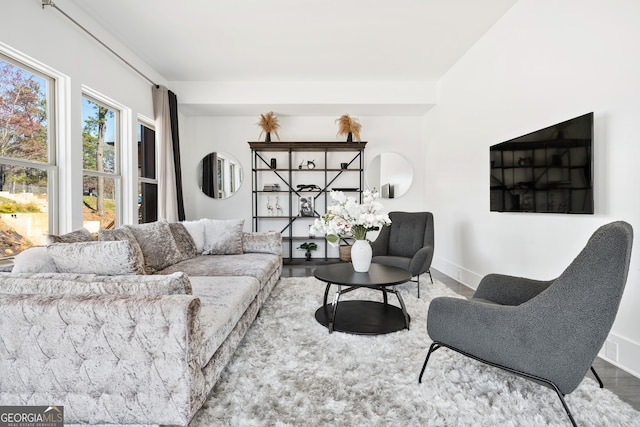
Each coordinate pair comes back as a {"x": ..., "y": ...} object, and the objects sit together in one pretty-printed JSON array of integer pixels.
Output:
[{"x": 289, "y": 371}]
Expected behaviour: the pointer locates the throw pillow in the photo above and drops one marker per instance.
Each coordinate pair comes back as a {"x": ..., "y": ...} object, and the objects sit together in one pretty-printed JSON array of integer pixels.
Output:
[
  {"x": 80, "y": 235},
  {"x": 184, "y": 241},
  {"x": 122, "y": 234},
  {"x": 196, "y": 230},
  {"x": 269, "y": 242},
  {"x": 34, "y": 260},
  {"x": 104, "y": 258},
  {"x": 223, "y": 237},
  {"x": 158, "y": 246}
]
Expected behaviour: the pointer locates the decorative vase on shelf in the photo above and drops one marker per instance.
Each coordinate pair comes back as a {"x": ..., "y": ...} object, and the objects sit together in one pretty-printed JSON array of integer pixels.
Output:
[
  {"x": 267, "y": 137},
  {"x": 361, "y": 256}
]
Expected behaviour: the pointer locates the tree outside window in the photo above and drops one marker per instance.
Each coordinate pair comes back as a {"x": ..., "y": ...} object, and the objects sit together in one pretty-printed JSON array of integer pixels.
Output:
[
  {"x": 25, "y": 159},
  {"x": 100, "y": 181}
]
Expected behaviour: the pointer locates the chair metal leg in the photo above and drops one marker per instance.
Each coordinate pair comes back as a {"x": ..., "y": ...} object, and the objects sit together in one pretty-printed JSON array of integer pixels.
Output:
[
  {"x": 430, "y": 276},
  {"x": 433, "y": 347},
  {"x": 597, "y": 377},
  {"x": 418, "y": 286},
  {"x": 436, "y": 345}
]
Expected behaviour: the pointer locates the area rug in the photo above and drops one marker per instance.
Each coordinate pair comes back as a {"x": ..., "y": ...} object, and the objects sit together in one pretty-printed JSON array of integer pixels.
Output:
[{"x": 289, "y": 371}]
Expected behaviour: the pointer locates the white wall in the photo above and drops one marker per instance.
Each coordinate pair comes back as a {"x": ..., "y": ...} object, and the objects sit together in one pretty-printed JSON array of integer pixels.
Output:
[
  {"x": 544, "y": 62},
  {"x": 202, "y": 135},
  {"x": 46, "y": 36}
]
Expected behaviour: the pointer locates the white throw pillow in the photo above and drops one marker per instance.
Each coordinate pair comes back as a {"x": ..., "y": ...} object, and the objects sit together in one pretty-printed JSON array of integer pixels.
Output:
[
  {"x": 103, "y": 258},
  {"x": 223, "y": 237},
  {"x": 34, "y": 260},
  {"x": 196, "y": 230}
]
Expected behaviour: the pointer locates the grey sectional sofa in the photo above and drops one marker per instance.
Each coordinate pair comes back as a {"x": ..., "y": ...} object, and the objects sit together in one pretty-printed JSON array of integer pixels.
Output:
[{"x": 131, "y": 348}]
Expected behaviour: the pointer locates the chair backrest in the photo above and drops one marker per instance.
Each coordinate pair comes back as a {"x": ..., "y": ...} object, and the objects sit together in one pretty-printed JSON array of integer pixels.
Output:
[
  {"x": 409, "y": 232},
  {"x": 580, "y": 307}
]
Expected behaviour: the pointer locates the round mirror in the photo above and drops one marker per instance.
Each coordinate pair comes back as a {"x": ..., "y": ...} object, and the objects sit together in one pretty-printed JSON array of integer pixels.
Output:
[
  {"x": 219, "y": 175},
  {"x": 389, "y": 173}
]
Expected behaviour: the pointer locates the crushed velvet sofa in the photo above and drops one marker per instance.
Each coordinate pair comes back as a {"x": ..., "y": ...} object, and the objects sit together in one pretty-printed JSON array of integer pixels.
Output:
[{"x": 134, "y": 328}]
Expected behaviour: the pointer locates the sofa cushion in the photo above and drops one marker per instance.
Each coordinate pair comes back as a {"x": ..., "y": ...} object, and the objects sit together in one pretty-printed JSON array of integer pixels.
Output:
[
  {"x": 222, "y": 237},
  {"x": 196, "y": 231},
  {"x": 223, "y": 302},
  {"x": 34, "y": 260},
  {"x": 122, "y": 234},
  {"x": 105, "y": 258},
  {"x": 93, "y": 284},
  {"x": 260, "y": 266},
  {"x": 80, "y": 235},
  {"x": 183, "y": 239},
  {"x": 269, "y": 242},
  {"x": 158, "y": 245}
]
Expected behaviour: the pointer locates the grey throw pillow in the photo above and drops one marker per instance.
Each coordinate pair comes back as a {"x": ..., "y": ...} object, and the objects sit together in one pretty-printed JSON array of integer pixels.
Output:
[
  {"x": 223, "y": 237},
  {"x": 183, "y": 239},
  {"x": 80, "y": 235},
  {"x": 104, "y": 258},
  {"x": 158, "y": 245},
  {"x": 123, "y": 234}
]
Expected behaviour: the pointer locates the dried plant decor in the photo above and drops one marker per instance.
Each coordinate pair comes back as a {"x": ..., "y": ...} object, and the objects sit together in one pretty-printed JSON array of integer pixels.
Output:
[
  {"x": 269, "y": 124},
  {"x": 349, "y": 125}
]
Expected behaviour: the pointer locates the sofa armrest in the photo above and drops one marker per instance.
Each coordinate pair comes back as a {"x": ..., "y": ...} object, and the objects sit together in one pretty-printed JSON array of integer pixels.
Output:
[
  {"x": 112, "y": 359},
  {"x": 509, "y": 290},
  {"x": 269, "y": 242}
]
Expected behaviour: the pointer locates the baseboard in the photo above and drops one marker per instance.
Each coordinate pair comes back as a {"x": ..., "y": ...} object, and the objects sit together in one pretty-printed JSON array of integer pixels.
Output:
[
  {"x": 461, "y": 274},
  {"x": 622, "y": 353},
  {"x": 618, "y": 351}
]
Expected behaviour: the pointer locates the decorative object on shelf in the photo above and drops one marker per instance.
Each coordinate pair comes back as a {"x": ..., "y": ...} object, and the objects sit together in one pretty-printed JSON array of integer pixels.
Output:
[
  {"x": 278, "y": 207},
  {"x": 348, "y": 218},
  {"x": 269, "y": 206},
  {"x": 349, "y": 126},
  {"x": 302, "y": 187},
  {"x": 274, "y": 163},
  {"x": 308, "y": 247},
  {"x": 269, "y": 123},
  {"x": 311, "y": 164},
  {"x": 306, "y": 206},
  {"x": 271, "y": 187},
  {"x": 344, "y": 165}
]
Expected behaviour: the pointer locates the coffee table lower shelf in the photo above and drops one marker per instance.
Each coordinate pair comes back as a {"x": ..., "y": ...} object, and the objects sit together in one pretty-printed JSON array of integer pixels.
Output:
[{"x": 363, "y": 317}]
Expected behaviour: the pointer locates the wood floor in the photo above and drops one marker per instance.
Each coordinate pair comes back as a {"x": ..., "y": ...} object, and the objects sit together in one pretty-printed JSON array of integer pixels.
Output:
[{"x": 623, "y": 384}]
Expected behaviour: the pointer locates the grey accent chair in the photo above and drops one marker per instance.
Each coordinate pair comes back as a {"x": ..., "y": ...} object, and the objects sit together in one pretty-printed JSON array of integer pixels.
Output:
[
  {"x": 407, "y": 243},
  {"x": 547, "y": 331}
]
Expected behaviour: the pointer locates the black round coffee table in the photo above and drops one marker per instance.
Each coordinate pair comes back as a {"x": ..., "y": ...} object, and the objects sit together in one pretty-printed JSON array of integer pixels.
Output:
[{"x": 362, "y": 317}]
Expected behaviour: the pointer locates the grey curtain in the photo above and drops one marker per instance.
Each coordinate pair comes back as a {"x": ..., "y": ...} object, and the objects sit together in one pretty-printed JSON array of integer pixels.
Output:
[{"x": 170, "y": 202}]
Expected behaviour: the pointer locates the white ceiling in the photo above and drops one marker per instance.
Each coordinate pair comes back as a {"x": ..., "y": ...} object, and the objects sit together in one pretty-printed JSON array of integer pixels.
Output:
[{"x": 298, "y": 40}]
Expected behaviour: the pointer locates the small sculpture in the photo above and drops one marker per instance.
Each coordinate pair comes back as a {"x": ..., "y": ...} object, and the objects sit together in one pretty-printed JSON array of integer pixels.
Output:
[
  {"x": 269, "y": 206},
  {"x": 278, "y": 207}
]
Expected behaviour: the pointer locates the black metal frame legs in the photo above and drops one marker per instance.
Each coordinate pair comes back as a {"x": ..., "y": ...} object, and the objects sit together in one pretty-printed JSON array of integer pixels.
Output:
[
  {"x": 418, "y": 280},
  {"x": 436, "y": 345}
]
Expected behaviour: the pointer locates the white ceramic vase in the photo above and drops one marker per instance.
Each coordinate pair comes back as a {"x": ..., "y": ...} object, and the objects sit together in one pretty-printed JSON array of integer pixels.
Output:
[{"x": 361, "y": 255}]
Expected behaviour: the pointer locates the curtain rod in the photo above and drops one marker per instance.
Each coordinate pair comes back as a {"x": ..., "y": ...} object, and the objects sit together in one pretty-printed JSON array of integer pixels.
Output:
[{"x": 50, "y": 3}]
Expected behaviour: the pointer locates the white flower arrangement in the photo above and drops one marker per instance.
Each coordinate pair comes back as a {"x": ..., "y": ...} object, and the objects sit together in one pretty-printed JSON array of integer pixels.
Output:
[{"x": 348, "y": 218}]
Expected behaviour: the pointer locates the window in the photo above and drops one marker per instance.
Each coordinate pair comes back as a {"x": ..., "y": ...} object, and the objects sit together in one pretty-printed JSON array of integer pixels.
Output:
[
  {"x": 100, "y": 163},
  {"x": 147, "y": 180},
  {"x": 27, "y": 156}
]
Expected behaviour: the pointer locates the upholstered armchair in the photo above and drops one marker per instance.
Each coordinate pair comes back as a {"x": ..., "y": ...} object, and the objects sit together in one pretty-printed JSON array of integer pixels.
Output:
[
  {"x": 407, "y": 243},
  {"x": 547, "y": 331}
]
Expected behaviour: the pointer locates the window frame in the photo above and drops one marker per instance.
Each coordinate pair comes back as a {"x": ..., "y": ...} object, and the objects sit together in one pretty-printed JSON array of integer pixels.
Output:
[
  {"x": 56, "y": 97},
  {"x": 150, "y": 124},
  {"x": 120, "y": 142}
]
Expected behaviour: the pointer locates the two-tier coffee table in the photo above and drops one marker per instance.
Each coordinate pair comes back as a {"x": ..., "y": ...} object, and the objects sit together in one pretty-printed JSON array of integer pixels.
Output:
[{"x": 362, "y": 317}]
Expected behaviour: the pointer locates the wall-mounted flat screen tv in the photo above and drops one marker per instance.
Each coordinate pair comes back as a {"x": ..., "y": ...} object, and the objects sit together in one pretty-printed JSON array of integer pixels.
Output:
[{"x": 549, "y": 170}]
